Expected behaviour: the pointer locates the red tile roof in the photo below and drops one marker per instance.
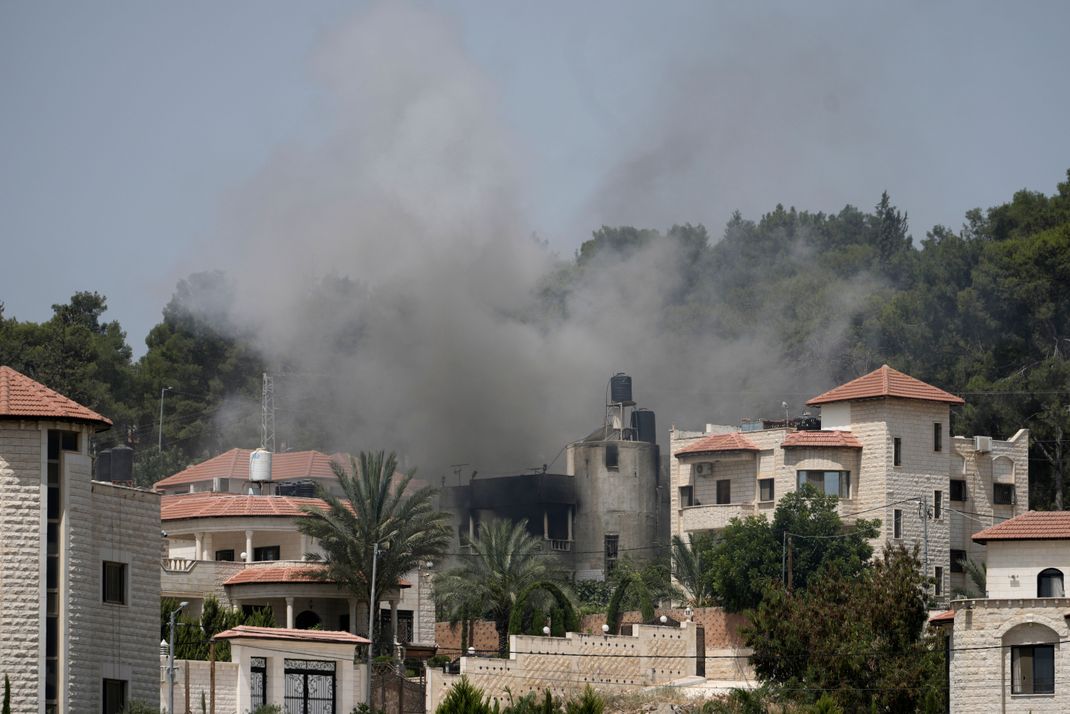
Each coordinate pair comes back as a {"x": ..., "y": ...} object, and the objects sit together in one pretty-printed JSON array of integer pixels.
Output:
[
  {"x": 285, "y": 573},
  {"x": 885, "y": 382},
  {"x": 944, "y": 618},
  {"x": 1031, "y": 525},
  {"x": 835, "y": 439},
  {"x": 282, "y": 633},
  {"x": 235, "y": 464},
  {"x": 24, "y": 398},
  {"x": 227, "y": 505},
  {"x": 733, "y": 441}
]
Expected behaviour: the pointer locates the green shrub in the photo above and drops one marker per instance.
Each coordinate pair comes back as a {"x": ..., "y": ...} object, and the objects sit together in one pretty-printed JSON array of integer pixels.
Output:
[
  {"x": 464, "y": 698},
  {"x": 588, "y": 703},
  {"x": 268, "y": 709},
  {"x": 365, "y": 709},
  {"x": 136, "y": 707}
]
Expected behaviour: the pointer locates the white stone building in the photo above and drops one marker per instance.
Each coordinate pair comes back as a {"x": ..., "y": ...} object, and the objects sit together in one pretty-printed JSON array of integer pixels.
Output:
[
  {"x": 884, "y": 447},
  {"x": 238, "y": 539},
  {"x": 79, "y": 585},
  {"x": 1007, "y": 651}
]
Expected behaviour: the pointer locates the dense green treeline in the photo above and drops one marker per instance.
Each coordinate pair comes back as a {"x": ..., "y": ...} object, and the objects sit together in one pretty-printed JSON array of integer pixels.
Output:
[{"x": 981, "y": 311}]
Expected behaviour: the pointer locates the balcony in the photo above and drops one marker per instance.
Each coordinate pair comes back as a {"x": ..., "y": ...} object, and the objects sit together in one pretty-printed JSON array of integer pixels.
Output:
[
  {"x": 560, "y": 546},
  {"x": 707, "y": 517}
]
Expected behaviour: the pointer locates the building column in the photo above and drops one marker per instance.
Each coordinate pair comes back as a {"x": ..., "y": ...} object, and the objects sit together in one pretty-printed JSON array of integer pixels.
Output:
[
  {"x": 248, "y": 546},
  {"x": 198, "y": 545},
  {"x": 570, "y": 523},
  {"x": 545, "y": 524},
  {"x": 471, "y": 528},
  {"x": 352, "y": 616},
  {"x": 393, "y": 621},
  {"x": 209, "y": 552},
  {"x": 290, "y": 613}
]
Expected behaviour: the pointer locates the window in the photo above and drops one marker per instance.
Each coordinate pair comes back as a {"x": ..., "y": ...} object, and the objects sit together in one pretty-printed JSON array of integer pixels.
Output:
[
  {"x": 897, "y": 523},
  {"x": 612, "y": 543},
  {"x": 612, "y": 456},
  {"x": 227, "y": 555},
  {"x": 765, "y": 489},
  {"x": 938, "y": 581},
  {"x": 267, "y": 552},
  {"x": 958, "y": 558},
  {"x": 938, "y": 504},
  {"x": 114, "y": 582},
  {"x": 831, "y": 483},
  {"x": 1033, "y": 669},
  {"x": 687, "y": 496},
  {"x": 938, "y": 436},
  {"x": 1003, "y": 493},
  {"x": 897, "y": 451},
  {"x": 1050, "y": 583},
  {"x": 958, "y": 489},
  {"x": 114, "y": 696},
  {"x": 724, "y": 491}
]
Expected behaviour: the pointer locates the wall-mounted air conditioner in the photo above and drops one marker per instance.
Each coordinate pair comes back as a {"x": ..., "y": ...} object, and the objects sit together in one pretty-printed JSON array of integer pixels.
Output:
[
  {"x": 982, "y": 444},
  {"x": 703, "y": 469}
]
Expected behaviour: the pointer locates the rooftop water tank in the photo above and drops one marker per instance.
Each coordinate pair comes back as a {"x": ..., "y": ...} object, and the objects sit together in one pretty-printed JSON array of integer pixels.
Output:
[
  {"x": 620, "y": 389},
  {"x": 122, "y": 463},
  {"x": 643, "y": 425},
  {"x": 260, "y": 465},
  {"x": 103, "y": 466}
]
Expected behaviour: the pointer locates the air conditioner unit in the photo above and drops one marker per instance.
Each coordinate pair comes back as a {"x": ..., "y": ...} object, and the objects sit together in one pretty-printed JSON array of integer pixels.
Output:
[
  {"x": 703, "y": 469},
  {"x": 982, "y": 444}
]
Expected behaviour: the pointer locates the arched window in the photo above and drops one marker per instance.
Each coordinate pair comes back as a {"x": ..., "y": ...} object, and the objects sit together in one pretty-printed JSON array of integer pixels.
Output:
[
  {"x": 1050, "y": 583},
  {"x": 306, "y": 620},
  {"x": 1033, "y": 649}
]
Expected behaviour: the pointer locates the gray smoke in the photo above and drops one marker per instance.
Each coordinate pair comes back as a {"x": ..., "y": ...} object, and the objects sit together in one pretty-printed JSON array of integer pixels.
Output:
[{"x": 390, "y": 272}]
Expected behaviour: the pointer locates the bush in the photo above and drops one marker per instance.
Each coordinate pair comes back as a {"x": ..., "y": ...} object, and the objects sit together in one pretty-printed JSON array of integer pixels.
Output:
[
  {"x": 464, "y": 698},
  {"x": 136, "y": 707},
  {"x": 588, "y": 703},
  {"x": 268, "y": 709},
  {"x": 365, "y": 709}
]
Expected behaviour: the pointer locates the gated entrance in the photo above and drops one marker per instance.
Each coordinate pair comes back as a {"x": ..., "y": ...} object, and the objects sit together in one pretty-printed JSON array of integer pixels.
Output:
[
  {"x": 395, "y": 694},
  {"x": 257, "y": 681},
  {"x": 309, "y": 686}
]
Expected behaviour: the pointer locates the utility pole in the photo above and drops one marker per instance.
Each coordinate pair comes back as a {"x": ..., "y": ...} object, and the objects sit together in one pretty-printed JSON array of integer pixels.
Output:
[
  {"x": 159, "y": 443},
  {"x": 789, "y": 566},
  {"x": 267, "y": 414},
  {"x": 371, "y": 632},
  {"x": 925, "y": 529},
  {"x": 171, "y": 660}
]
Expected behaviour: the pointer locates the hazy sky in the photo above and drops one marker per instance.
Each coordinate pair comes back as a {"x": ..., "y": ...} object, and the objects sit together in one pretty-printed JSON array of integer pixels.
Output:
[{"x": 127, "y": 129}]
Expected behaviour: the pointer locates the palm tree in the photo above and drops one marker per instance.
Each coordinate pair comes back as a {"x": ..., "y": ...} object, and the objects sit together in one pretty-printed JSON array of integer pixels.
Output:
[
  {"x": 378, "y": 509},
  {"x": 690, "y": 565},
  {"x": 504, "y": 562}
]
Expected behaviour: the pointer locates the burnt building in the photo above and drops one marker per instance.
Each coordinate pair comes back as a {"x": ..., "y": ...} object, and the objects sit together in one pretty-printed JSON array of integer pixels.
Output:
[{"x": 609, "y": 504}]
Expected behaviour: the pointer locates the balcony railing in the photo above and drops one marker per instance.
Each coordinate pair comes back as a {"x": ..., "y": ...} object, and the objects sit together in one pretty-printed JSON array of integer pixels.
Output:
[
  {"x": 561, "y": 546},
  {"x": 178, "y": 565}
]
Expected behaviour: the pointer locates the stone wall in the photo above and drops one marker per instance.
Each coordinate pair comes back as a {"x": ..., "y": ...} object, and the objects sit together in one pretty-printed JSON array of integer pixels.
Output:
[
  {"x": 199, "y": 681},
  {"x": 118, "y": 524},
  {"x": 983, "y": 635},
  {"x": 565, "y": 665},
  {"x": 21, "y": 574}
]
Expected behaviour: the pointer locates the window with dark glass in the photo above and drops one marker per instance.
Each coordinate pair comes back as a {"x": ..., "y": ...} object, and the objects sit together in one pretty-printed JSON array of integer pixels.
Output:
[
  {"x": 724, "y": 491},
  {"x": 958, "y": 489},
  {"x": 687, "y": 494},
  {"x": 938, "y": 504},
  {"x": 765, "y": 489},
  {"x": 897, "y": 523},
  {"x": 226, "y": 554},
  {"x": 612, "y": 543},
  {"x": 938, "y": 581},
  {"x": 1050, "y": 583},
  {"x": 831, "y": 483},
  {"x": 958, "y": 559},
  {"x": 56, "y": 443},
  {"x": 267, "y": 552},
  {"x": 897, "y": 451},
  {"x": 612, "y": 456},
  {"x": 114, "y": 696},
  {"x": 1003, "y": 493},
  {"x": 1033, "y": 669},
  {"x": 114, "y": 582},
  {"x": 938, "y": 436}
]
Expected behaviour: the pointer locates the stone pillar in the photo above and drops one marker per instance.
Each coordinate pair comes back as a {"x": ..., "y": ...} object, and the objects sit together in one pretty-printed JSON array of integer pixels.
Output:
[
  {"x": 393, "y": 621},
  {"x": 248, "y": 546},
  {"x": 471, "y": 528},
  {"x": 546, "y": 524},
  {"x": 570, "y": 523},
  {"x": 198, "y": 546},
  {"x": 209, "y": 551},
  {"x": 290, "y": 613},
  {"x": 352, "y": 616}
]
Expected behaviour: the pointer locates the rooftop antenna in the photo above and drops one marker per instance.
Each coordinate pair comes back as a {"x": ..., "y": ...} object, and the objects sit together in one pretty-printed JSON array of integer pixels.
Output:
[
  {"x": 457, "y": 471},
  {"x": 267, "y": 414}
]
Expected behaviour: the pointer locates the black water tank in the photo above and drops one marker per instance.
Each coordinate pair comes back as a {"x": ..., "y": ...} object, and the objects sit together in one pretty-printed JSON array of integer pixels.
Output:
[
  {"x": 620, "y": 389},
  {"x": 103, "y": 466},
  {"x": 643, "y": 425},
  {"x": 122, "y": 463}
]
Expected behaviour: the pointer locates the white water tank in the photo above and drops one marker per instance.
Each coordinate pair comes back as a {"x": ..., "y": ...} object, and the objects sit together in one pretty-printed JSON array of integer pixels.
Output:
[{"x": 260, "y": 465}]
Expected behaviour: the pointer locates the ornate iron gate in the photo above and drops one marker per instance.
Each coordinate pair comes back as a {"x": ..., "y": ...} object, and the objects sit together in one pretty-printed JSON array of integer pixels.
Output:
[
  {"x": 309, "y": 687},
  {"x": 394, "y": 694},
  {"x": 257, "y": 681}
]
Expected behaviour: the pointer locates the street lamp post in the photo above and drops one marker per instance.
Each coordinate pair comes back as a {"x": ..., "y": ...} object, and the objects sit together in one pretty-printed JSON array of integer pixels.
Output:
[
  {"x": 159, "y": 443},
  {"x": 171, "y": 660}
]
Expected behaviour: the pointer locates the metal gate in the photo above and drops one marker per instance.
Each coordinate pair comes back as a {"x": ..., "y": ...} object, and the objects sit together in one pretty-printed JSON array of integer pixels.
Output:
[
  {"x": 700, "y": 651},
  {"x": 309, "y": 687},
  {"x": 257, "y": 681},
  {"x": 394, "y": 694}
]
